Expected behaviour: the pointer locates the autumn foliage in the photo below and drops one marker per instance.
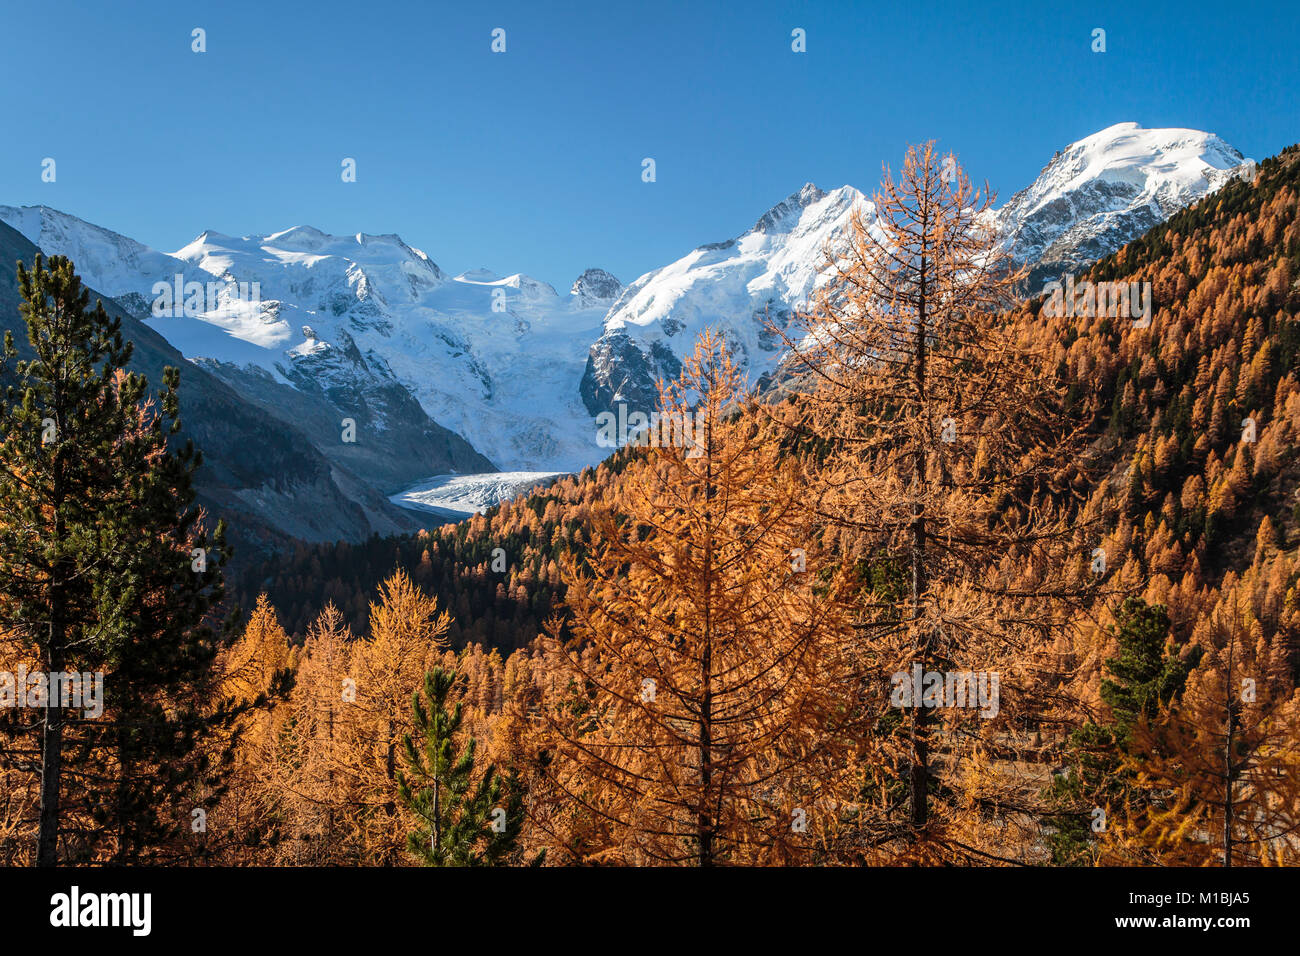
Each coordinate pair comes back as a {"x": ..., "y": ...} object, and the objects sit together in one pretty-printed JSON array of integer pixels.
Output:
[{"x": 691, "y": 654}]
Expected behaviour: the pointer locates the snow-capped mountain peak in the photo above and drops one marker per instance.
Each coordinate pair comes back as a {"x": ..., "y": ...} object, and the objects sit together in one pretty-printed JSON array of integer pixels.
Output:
[
  {"x": 736, "y": 286},
  {"x": 1107, "y": 189},
  {"x": 787, "y": 212},
  {"x": 596, "y": 286}
]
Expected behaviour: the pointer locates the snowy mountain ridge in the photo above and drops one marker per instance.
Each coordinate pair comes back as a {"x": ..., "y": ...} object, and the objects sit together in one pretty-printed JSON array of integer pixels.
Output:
[
  {"x": 488, "y": 356},
  {"x": 1093, "y": 197},
  {"x": 370, "y": 326}
]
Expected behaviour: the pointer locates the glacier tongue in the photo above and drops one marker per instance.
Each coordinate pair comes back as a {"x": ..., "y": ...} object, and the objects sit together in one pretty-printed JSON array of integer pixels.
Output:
[{"x": 455, "y": 497}]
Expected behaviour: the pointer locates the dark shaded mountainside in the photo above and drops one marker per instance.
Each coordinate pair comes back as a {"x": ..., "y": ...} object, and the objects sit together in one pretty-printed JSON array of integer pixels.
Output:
[
  {"x": 397, "y": 443},
  {"x": 1197, "y": 427},
  {"x": 260, "y": 473}
]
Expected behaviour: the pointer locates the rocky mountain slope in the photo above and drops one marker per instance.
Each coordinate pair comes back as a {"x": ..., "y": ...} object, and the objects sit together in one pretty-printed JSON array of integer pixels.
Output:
[{"x": 261, "y": 473}]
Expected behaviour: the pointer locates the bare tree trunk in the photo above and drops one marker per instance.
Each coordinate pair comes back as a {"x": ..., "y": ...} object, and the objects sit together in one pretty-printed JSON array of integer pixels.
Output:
[
  {"x": 920, "y": 769},
  {"x": 47, "y": 846}
]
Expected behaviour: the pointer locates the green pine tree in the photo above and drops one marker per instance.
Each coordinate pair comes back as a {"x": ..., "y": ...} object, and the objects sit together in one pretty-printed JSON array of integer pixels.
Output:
[
  {"x": 462, "y": 823},
  {"x": 1146, "y": 674},
  {"x": 104, "y": 567}
]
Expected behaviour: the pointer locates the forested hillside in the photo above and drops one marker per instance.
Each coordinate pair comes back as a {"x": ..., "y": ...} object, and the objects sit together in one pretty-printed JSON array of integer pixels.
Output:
[
  {"x": 1200, "y": 410},
  {"x": 499, "y": 598}
]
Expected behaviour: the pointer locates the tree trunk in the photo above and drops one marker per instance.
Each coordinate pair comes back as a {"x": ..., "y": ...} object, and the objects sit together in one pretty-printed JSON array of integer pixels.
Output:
[
  {"x": 47, "y": 842},
  {"x": 436, "y": 823},
  {"x": 704, "y": 823},
  {"x": 1227, "y": 764},
  {"x": 920, "y": 768},
  {"x": 47, "y": 846}
]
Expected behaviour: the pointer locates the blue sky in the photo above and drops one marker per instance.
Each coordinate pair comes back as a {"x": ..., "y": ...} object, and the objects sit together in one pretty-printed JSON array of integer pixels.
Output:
[{"x": 530, "y": 161}]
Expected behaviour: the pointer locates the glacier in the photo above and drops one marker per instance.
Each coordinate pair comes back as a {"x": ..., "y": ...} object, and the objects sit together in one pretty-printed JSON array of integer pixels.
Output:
[{"x": 520, "y": 370}]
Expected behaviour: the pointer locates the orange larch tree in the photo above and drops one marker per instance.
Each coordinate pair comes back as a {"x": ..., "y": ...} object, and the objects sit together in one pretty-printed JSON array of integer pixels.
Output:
[
  {"x": 704, "y": 655},
  {"x": 952, "y": 468}
]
